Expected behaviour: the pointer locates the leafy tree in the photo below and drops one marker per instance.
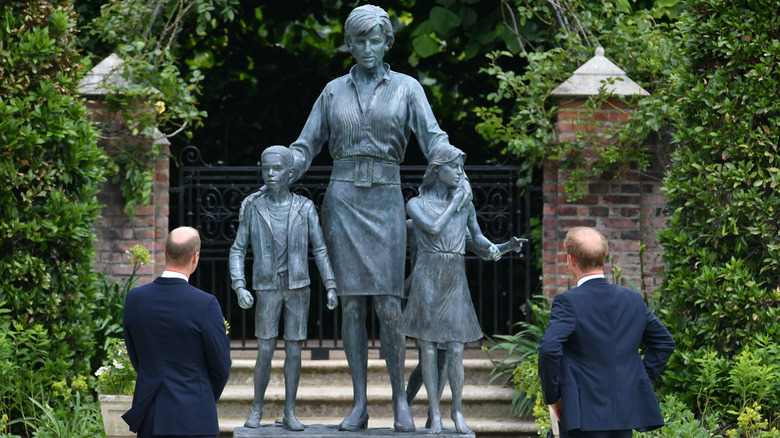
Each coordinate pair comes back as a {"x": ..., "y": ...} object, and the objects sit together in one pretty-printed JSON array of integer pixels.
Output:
[
  {"x": 552, "y": 40},
  {"x": 722, "y": 288},
  {"x": 156, "y": 99},
  {"x": 265, "y": 69},
  {"x": 50, "y": 167}
]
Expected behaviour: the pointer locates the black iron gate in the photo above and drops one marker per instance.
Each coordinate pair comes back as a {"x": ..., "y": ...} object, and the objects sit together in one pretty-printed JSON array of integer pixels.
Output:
[{"x": 208, "y": 197}]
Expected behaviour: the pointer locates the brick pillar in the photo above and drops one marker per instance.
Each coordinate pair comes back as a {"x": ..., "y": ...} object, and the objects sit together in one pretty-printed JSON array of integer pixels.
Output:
[
  {"x": 628, "y": 210},
  {"x": 116, "y": 232}
]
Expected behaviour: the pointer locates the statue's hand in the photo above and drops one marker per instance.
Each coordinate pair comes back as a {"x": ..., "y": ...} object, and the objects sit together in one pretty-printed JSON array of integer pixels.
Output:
[
  {"x": 245, "y": 299},
  {"x": 516, "y": 244},
  {"x": 333, "y": 300},
  {"x": 494, "y": 253},
  {"x": 468, "y": 194}
]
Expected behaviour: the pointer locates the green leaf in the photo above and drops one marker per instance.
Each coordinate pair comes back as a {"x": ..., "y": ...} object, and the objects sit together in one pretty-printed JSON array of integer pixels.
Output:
[
  {"x": 444, "y": 20},
  {"x": 425, "y": 46}
]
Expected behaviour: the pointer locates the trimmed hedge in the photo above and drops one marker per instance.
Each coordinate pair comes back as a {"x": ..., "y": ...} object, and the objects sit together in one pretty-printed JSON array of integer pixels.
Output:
[
  {"x": 721, "y": 293},
  {"x": 50, "y": 167}
]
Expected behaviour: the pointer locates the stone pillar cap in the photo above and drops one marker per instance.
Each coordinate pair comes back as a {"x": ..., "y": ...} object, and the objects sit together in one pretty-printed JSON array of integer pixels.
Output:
[
  {"x": 105, "y": 78},
  {"x": 591, "y": 76}
]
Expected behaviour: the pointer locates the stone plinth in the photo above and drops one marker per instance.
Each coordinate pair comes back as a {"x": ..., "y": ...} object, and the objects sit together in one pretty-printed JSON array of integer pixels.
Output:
[{"x": 275, "y": 430}]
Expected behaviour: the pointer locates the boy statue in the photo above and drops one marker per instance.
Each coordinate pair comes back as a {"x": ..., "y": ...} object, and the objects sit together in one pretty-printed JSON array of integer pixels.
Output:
[{"x": 279, "y": 226}]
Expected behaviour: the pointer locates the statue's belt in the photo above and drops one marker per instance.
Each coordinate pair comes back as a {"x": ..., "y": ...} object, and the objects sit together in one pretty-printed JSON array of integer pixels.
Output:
[{"x": 366, "y": 171}]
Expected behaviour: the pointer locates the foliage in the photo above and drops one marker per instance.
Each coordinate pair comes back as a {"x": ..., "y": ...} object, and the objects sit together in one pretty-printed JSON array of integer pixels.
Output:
[
  {"x": 680, "y": 422},
  {"x": 154, "y": 96},
  {"x": 527, "y": 384},
  {"x": 50, "y": 167},
  {"x": 517, "y": 356},
  {"x": 720, "y": 297},
  {"x": 726, "y": 388},
  {"x": 566, "y": 34},
  {"x": 77, "y": 420},
  {"x": 110, "y": 304},
  {"x": 117, "y": 375}
]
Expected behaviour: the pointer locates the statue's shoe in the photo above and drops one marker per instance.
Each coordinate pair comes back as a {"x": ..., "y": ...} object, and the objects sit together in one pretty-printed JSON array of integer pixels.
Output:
[
  {"x": 254, "y": 419},
  {"x": 349, "y": 424},
  {"x": 292, "y": 423},
  {"x": 403, "y": 418}
]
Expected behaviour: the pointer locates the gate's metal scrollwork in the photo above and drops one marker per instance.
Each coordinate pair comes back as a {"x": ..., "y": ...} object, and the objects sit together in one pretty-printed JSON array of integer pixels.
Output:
[{"x": 208, "y": 197}]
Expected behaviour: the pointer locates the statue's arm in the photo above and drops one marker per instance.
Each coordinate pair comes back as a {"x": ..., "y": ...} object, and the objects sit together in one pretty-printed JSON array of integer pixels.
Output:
[
  {"x": 432, "y": 224},
  {"x": 478, "y": 239},
  {"x": 238, "y": 251},
  {"x": 238, "y": 255},
  {"x": 320, "y": 252},
  {"x": 313, "y": 135}
]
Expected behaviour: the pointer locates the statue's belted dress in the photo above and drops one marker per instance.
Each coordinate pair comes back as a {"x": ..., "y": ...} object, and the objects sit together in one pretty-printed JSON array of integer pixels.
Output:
[
  {"x": 363, "y": 214},
  {"x": 440, "y": 307}
]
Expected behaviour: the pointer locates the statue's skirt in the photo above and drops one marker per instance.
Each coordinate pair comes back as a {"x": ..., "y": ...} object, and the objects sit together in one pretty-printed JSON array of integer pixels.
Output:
[{"x": 365, "y": 232}]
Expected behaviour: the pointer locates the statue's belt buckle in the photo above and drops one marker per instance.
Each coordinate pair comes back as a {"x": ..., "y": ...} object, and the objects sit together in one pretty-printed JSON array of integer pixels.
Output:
[{"x": 364, "y": 173}]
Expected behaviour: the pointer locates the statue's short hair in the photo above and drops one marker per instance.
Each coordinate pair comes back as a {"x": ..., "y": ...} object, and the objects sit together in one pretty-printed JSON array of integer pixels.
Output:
[
  {"x": 363, "y": 19},
  {"x": 587, "y": 247},
  {"x": 284, "y": 151}
]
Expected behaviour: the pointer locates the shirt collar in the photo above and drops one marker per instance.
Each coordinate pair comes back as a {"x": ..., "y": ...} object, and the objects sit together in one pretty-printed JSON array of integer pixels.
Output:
[
  {"x": 589, "y": 277},
  {"x": 171, "y": 274},
  {"x": 385, "y": 77}
]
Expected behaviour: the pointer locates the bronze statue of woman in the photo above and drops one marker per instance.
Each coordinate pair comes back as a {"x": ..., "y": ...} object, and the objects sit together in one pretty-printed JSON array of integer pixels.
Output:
[{"x": 366, "y": 118}]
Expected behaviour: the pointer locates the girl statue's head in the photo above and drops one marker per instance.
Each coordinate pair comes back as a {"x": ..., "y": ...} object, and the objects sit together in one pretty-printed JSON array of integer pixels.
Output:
[{"x": 440, "y": 156}]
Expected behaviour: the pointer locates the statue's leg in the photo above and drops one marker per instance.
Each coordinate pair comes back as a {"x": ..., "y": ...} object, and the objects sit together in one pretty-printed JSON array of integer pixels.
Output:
[
  {"x": 355, "y": 338},
  {"x": 292, "y": 374},
  {"x": 388, "y": 310},
  {"x": 414, "y": 384},
  {"x": 265, "y": 352},
  {"x": 455, "y": 365},
  {"x": 428, "y": 364}
]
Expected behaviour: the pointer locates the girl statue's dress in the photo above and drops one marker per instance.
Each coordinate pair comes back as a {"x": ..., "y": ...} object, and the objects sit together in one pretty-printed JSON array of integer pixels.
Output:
[{"x": 440, "y": 308}]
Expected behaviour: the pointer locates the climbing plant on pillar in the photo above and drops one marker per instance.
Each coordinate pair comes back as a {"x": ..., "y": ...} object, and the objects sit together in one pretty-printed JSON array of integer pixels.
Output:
[{"x": 154, "y": 100}]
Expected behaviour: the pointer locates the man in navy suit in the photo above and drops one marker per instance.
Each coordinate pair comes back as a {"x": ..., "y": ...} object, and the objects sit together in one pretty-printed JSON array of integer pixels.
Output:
[
  {"x": 592, "y": 373},
  {"x": 176, "y": 339}
]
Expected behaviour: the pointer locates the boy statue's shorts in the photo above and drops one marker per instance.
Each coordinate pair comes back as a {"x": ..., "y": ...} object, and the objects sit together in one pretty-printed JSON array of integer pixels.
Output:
[{"x": 269, "y": 308}]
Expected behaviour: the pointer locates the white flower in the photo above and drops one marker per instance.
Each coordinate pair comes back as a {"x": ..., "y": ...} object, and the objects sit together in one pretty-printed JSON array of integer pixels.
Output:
[
  {"x": 100, "y": 371},
  {"x": 118, "y": 365}
]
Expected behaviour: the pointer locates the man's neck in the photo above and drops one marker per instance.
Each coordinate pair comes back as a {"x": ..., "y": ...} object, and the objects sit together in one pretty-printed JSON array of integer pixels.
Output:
[{"x": 175, "y": 273}]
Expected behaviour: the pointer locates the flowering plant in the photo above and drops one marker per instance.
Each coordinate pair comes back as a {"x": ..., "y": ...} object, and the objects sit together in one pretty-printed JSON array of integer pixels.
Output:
[{"x": 117, "y": 375}]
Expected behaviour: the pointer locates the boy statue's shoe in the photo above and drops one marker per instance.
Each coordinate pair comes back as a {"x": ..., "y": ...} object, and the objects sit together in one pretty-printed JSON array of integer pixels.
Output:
[
  {"x": 292, "y": 423},
  {"x": 254, "y": 419}
]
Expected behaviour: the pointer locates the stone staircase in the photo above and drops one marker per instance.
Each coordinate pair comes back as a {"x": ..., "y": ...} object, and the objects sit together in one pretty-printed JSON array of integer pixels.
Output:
[{"x": 325, "y": 395}]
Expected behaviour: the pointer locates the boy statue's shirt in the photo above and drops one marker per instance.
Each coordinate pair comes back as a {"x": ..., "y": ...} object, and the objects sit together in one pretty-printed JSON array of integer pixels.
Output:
[
  {"x": 303, "y": 231},
  {"x": 279, "y": 215}
]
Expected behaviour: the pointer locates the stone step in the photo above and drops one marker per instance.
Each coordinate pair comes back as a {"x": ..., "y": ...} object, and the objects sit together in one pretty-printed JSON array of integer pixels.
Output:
[
  {"x": 336, "y": 372},
  {"x": 483, "y": 428},
  {"x": 336, "y": 401}
]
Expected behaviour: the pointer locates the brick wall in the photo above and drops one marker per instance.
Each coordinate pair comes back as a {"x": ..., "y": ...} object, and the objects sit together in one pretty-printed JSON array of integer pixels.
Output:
[
  {"x": 115, "y": 231},
  {"x": 628, "y": 210}
]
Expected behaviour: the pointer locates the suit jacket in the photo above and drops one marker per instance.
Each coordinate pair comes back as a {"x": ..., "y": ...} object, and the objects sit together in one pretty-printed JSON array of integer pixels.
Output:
[
  {"x": 303, "y": 227},
  {"x": 589, "y": 358},
  {"x": 176, "y": 340}
]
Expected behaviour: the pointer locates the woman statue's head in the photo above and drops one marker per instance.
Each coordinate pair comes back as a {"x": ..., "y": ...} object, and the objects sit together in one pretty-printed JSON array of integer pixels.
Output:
[{"x": 363, "y": 19}]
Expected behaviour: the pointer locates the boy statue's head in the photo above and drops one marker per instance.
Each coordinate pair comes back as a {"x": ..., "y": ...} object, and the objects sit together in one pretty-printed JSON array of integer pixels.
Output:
[{"x": 277, "y": 162}]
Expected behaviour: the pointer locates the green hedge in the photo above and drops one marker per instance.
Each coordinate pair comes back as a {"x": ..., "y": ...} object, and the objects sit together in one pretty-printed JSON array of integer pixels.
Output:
[
  {"x": 721, "y": 294},
  {"x": 50, "y": 167}
]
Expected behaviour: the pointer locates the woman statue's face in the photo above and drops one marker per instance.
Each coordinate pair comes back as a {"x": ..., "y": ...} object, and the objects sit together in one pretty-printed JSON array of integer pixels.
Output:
[{"x": 369, "y": 49}]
